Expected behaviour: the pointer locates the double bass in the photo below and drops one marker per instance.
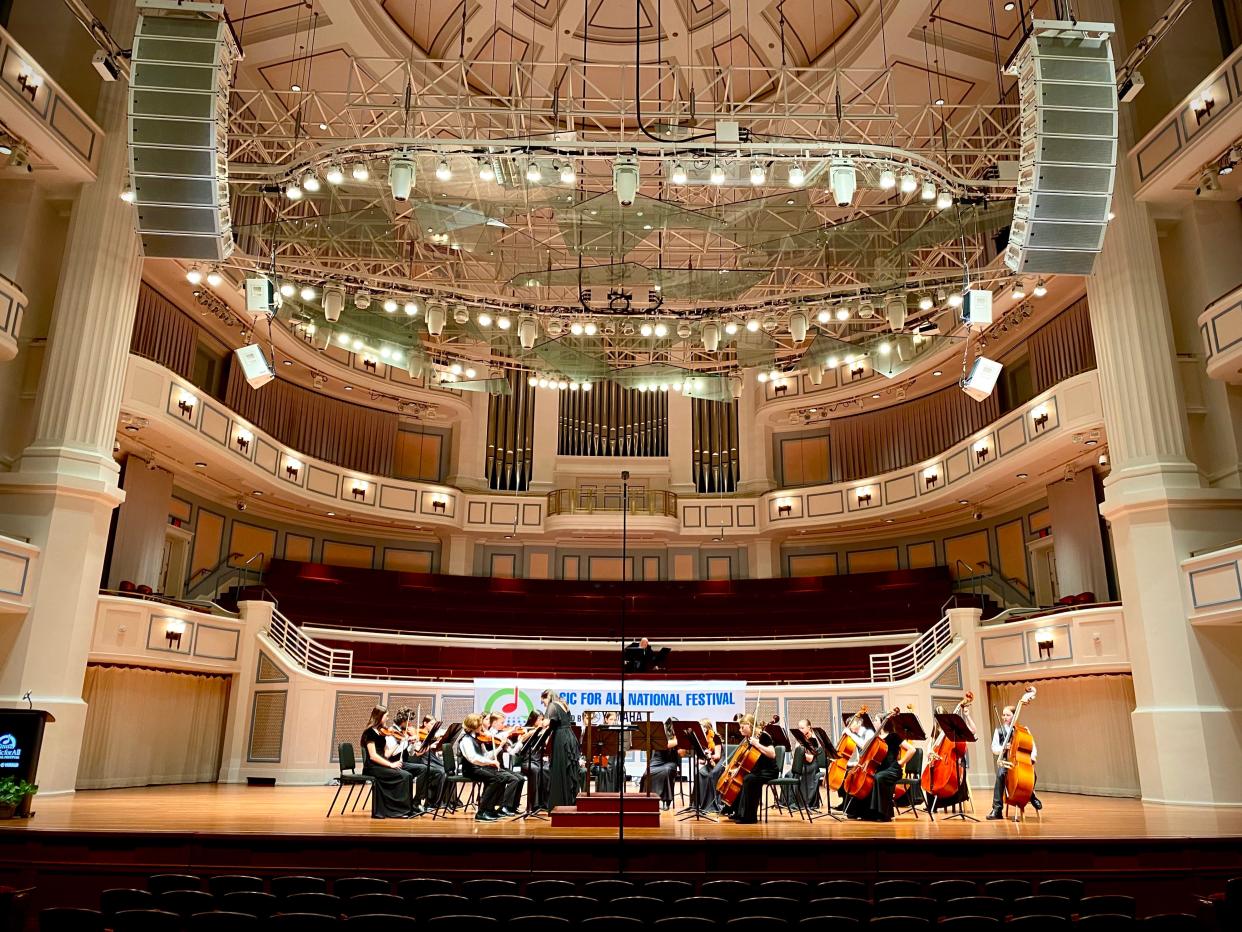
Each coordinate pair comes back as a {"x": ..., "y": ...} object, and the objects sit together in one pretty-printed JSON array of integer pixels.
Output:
[
  {"x": 1015, "y": 757},
  {"x": 942, "y": 772},
  {"x": 860, "y": 780},
  {"x": 743, "y": 760}
]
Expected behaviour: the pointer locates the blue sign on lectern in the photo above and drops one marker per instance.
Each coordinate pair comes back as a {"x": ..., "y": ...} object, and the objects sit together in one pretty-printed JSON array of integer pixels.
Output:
[{"x": 21, "y": 739}]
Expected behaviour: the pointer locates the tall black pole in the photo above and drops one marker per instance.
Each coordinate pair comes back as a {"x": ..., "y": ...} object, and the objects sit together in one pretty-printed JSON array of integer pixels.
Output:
[{"x": 625, "y": 512}]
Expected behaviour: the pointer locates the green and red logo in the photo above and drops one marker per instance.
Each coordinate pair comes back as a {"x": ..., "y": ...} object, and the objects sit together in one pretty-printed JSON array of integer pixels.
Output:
[{"x": 509, "y": 702}]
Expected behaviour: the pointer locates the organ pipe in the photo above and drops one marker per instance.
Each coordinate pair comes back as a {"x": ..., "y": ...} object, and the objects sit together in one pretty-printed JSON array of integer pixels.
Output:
[
  {"x": 511, "y": 436},
  {"x": 714, "y": 445},
  {"x": 612, "y": 421}
]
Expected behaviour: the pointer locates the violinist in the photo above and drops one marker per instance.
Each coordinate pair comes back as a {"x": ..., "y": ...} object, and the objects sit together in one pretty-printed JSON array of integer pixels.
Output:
[
  {"x": 1000, "y": 740},
  {"x": 662, "y": 773},
  {"x": 711, "y": 769},
  {"x": 424, "y": 753},
  {"x": 423, "y": 786},
  {"x": 391, "y": 795},
  {"x": 809, "y": 762},
  {"x": 501, "y": 788},
  {"x": 745, "y": 810}
]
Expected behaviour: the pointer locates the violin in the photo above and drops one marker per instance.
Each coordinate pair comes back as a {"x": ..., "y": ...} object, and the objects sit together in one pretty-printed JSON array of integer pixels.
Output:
[
  {"x": 942, "y": 772},
  {"x": 860, "y": 779},
  {"x": 1015, "y": 757}
]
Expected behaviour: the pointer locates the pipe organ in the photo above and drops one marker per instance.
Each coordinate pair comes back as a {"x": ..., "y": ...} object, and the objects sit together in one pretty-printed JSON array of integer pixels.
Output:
[
  {"x": 713, "y": 427},
  {"x": 511, "y": 436},
  {"x": 613, "y": 421}
]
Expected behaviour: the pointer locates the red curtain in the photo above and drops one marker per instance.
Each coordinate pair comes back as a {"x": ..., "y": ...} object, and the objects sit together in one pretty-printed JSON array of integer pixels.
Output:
[{"x": 326, "y": 428}]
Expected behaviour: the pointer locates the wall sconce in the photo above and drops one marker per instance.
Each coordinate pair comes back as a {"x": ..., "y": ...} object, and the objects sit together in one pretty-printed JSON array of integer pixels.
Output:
[
  {"x": 243, "y": 439},
  {"x": 1039, "y": 416},
  {"x": 29, "y": 82},
  {"x": 930, "y": 477},
  {"x": 857, "y": 372},
  {"x": 173, "y": 629},
  {"x": 784, "y": 509},
  {"x": 981, "y": 451},
  {"x": 1044, "y": 641},
  {"x": 1202, "y": 106},
  {"x": 292, "y": 468},
  {"x": 864, "y": 498},
  {"x": 780, "y": 390},
  {"x": 359, "y": 490},
  {"x": 439, "y": 504},
  {"x": 369, "y": 364},
  {"x": 185, "y": 404}
]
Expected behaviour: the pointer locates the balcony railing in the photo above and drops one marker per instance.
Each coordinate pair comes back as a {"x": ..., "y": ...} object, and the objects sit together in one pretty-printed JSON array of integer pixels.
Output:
[
  {"x": 909, "y": 660},
  {"x": 652, "y": 502},
  {"x": 308, "y": 653}
]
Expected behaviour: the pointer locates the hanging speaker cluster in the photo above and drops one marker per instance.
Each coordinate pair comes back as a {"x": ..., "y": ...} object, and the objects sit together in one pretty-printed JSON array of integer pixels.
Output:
[
  {"x": 178, "y": 132},
  {"x": 1068, "y": 92}
]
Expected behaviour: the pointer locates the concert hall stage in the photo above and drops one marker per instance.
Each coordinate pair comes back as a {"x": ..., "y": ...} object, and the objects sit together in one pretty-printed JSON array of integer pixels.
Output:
[{"x": 97, "y": 839}]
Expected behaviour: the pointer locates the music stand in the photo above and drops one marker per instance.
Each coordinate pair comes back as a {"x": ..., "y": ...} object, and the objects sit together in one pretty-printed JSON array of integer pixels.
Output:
[
  {"x": 605, "y": 741},
  {"x": 847, "y": 717},
  {"x": 956, "y": 730},
  {"x": 907, "y": 725},
  {"x": 532, "y": 749},
  {"x": 689, "y": 735}
]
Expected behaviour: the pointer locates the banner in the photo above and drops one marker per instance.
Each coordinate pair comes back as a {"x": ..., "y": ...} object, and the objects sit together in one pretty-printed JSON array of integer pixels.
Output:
[{"x": 717, "y": 700}]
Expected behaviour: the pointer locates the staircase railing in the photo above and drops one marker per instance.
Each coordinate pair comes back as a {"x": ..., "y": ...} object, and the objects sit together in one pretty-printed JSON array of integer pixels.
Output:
[
  {"x": 199, "y": 578},
  {"x": 909, "y": 660},
  {"x": 308, "y": 653}
]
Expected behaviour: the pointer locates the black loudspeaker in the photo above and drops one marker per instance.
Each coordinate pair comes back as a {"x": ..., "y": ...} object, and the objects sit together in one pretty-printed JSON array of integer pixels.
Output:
[
  {"x": 1068, "y": 161},
  {"x": 178, "y": 134}
]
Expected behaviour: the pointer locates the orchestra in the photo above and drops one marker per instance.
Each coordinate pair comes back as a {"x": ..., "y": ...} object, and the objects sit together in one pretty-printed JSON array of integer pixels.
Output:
[{"x": 402, "y": 755}]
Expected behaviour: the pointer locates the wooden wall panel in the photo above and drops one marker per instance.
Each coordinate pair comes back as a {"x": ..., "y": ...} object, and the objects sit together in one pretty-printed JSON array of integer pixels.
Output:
[
  {"x": 971, "y": 549},
  {"x": 250, "y": 540},
  {"x": 539, "y": 566},
  {"x": 1011, "y": 551},
  {"x": 503, "y": 566},
  {"x": 407, "y": 561},
  {"x": 921, "y": 555},
  {"x": 208, "y": 535},
  {"x": 872, "y": 561},
  {"x": 813, "y": 564},
  {"x": 683, "y": 566},
  {"x": 338, "y": 553},
  {"x": 299, "y": 548}
]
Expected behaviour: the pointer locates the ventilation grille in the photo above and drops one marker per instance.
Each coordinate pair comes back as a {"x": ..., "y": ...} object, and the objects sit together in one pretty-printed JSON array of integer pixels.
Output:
[
  {"x": 268, "y": 671},
  {"x": 267, "y": 727},
  {"x": 353, "y": 711}
]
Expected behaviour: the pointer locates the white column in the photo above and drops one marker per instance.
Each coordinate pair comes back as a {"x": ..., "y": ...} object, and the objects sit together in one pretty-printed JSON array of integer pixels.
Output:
[
  {"x": 256, "y": 618},
  {"x": 65, "y": 485},
  {"x": 1189, "y": 696},
  {"x": 457, "y": 555},
  {"x": 547, "y": 413},
  {"x": 754, "y": 439},
  {"x": 138, "y": 542},
  {"x": 470, "y": 446},
  {"x": 680, "y": 441},
  {"x": 764, "y": 559}
]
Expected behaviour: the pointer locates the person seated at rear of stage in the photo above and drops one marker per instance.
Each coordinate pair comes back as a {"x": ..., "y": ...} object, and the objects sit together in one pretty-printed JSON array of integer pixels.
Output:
[
  {"x": 427, "y": 783},
  {"x": 391, "y": 795},
  {"x": 710, "y": 770},
  {"x": 745, "y": 808},
  {"x": 662, "y": 774},
  {"x": 534, "y": 767},
  {"x": 501, "y": 788},
  {"x": 1000, "y": 739}
]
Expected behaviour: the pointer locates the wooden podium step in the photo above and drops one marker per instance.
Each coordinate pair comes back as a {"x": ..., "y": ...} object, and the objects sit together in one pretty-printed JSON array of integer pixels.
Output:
[{"x": 603, "y": 810}]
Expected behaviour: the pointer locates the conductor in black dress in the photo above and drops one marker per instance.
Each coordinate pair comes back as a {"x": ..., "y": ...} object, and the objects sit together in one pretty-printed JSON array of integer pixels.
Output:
[
  {"x": 392, "y": 793},
  {"x": 746, "y": 806},
  {"x": 563, "y": 762}
]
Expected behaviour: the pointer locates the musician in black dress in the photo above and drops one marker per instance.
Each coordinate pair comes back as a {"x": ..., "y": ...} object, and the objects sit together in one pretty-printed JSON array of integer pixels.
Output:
[
  {"x": 501, "y": 788},
  {"x": 746, "y": 807},
  {"x": 566, "y": 771},
  {"x": 809, "y": 760},
  {"x": 391, "y": 794},
  {"x": 662, "y": 774},
  {"x": 711, "y": 769},
  {"x": 879, "y": 806},
  {"x": 427, "y": 784},
  {"x": 435, "y": 763}
]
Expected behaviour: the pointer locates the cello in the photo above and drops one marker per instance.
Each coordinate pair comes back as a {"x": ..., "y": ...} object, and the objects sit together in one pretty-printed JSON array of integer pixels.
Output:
[
  {"x": 860, "y": 780},
  {"x": 942, "y": 773},
  {"x": 845, "y": 750},
  {"x": 1015, "y": 757},
  {"x": 743, "y": 760}
]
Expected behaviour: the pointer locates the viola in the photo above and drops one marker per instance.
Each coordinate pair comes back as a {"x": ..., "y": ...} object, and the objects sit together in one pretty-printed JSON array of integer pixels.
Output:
[
  {"x": 1016, "y": 758},
  {"x": 860, "y": 779},
  {"x": 942, "y": 772}
]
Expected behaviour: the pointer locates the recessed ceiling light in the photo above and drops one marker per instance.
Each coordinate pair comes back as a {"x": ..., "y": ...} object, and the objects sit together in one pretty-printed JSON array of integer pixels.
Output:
[
  {"x": 937, "y": 372},
  {"x": 1022, "y": 475},
  {"x": 349, "y": 388},
  {"x": 287, "y": 362},
  {"x": 257, "y": 492},
  {"x": 962, "y": 501},
  {"x": 331, "y": 514},
  {"x": 876, "y": 395},
  {"x": 888, "y": 520},
  {"x": 200, "y": 465}
]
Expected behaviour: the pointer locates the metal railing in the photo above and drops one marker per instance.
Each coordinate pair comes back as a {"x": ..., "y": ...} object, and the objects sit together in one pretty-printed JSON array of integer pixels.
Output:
[
  {"x": 307, "y": 653},
  {"x": 205, "y": 606},
  {"x": 909, "y": 660},
  {"x": 654, "y": 502}
]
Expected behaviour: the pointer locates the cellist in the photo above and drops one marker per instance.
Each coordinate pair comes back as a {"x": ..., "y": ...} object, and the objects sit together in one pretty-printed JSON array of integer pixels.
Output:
[
  {"x": 711, "y": 769},
  {"x": 745, "y": 810},
  {"x": 1000, "y": 738},
  {"x": 879, "y": 807},
  {"x": 861, "y": 735}
]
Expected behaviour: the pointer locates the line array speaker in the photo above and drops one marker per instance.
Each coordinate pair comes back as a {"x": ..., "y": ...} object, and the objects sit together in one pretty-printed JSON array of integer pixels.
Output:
[
  {"x": 178, "y": 132},
  {"x": 1068, "y": 94}
]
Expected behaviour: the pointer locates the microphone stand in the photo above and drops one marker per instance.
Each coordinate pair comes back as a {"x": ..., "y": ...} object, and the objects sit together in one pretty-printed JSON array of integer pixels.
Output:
[{"x": 625, "y": 512}]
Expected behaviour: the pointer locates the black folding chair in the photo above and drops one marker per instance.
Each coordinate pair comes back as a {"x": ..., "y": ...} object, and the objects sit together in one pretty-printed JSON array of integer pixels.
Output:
[{"x": 349, "y": 777}]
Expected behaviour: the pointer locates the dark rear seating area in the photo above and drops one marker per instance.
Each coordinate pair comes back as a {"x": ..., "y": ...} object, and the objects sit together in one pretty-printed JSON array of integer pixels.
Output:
[
  {"x": 433, "y": 662},
  {"x": 238, "y": 903},
  {"x": 862, "y": 603}
]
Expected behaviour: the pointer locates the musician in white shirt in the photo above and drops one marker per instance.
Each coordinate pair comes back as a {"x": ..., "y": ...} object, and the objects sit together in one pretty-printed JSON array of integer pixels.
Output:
[
  {"x": 501, "y": 788},
  {"x": 1000, "y": 738}
]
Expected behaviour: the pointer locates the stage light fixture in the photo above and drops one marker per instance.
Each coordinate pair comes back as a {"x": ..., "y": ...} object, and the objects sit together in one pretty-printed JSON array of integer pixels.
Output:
[
  {"x": 504, "y": 323},
  {"x": 310, "y": 182},
  {"x": 679, "y": 174},
  {"x": 823, "y": 316},
  {"x": 486, "y": 172},
  {"x": 646, "y": 329},
  {"x": 590, "y": 328},
  {"x": 568, "y": 175},
  {"x": 761, "y": 376},
  {"x": 944, "y": 200},
  {"x": 532, "y": 380},
  {"x": 410, "y": 308},
  {"x": 752, "y": 325},
  {"x": 955, "y": 299},
  {"x": 758, "y": 175},
  {"x": 443, "y": 172},
  {"x": 717, "y": 175},
  {"x": 843, "y": 313},
  {"x": 334, "y": 175},
  {"x": 843, "y": 179},
  {"x": 1017, "y": 292},
  {"x": 533, "y": 174},
  {"x": 925, "y": 302},
  {"x": 730, "y": 328},
  {"x": 360, "y": 171},
  {"x": 797, "y": 176},
  {"x": 287, "y": 290},
  {"x": 909, "y": 184},
  {"x": 928, "y": 191},
  {"x": 127, "y": 194},
  {"x": 484, "y": 319},
  {"x": 194, "y": 276},
  {"x": 401, "y": 176},
  {"x": 661, "y": 330},
  {"x": 293, "y": 192},
  {"x": 1040, "y": 289},
  {"x": 307, "y": 293},
  {"x": 888, "y": 179}
]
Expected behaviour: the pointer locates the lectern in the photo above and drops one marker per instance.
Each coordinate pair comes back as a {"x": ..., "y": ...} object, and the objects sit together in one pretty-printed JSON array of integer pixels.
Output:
[{"x": 21, "y": 739}]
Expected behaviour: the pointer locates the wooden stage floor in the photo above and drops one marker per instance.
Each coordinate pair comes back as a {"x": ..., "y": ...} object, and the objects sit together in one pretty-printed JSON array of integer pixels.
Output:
[{"x": 107, "y": 838}]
